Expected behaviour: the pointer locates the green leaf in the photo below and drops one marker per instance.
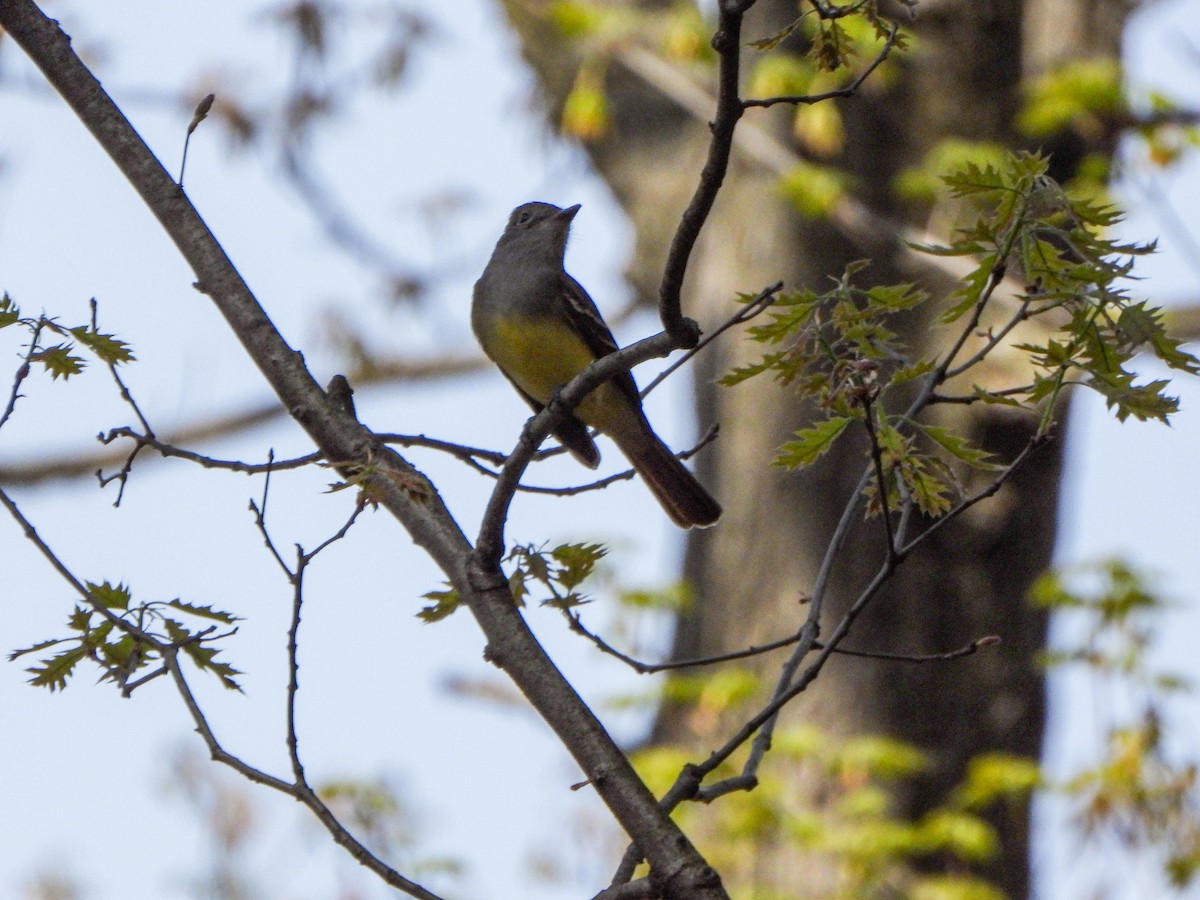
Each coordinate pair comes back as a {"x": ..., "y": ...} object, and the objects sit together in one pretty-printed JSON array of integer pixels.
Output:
[
  {"x": 1143, "y": 402},
  {"x": 986, "y": 396},
  {"x": 958, "y": 446},
  {"x": 912, "y": 370},
  {"x": 537, "y": 565},
  {"x": 971, "y": 290},
  {"x": 897, "y": 296},
  {"x": 445, "y": 603},
  {"x": 202, "y": 655},
  {"x": 972, "y": 180},
  {"x": 924, "y": 181},
  {"x": 81, "y": 619},
  {"x": 577, "y": 562},
  {"x": 741, "y": 373},
  {"x": 109, "y": 595},
  {"x": 9, "y": 313},
  {"x": 53, "y": 673},
  {"x": 832, "y": 47},
  {"x": 812, "y": 443},
  {"x": 97, "y": 636},
  {"x": 204, "y": 612},
  {"x": 59, "y": 361},
  {"x": 1140, "y": 324},
  {"x": 772, "y": 41},
  {"x": 107, "y": 347},
  {"x": 929, "y": 490}
]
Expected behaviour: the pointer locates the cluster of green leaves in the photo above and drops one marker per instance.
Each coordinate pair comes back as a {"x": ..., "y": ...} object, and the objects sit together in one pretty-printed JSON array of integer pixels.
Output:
[
  {"x": 1075, "y": 280},
  {"x": 1134, "y": 791},
  {"x": 560, "y": 571},
  {"x": 59, "y": 355},
  {"x": 831, "y": 40},
  {"x": 124, "y": 638},
  {"x": 1137, "y": 791},
  {"x": 853, "y": 832},
  {"x": 840, "y": 349}
]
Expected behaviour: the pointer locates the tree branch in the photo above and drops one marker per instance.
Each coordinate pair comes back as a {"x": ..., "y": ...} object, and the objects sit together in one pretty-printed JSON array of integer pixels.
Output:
[{"x": 728, "y": 44}]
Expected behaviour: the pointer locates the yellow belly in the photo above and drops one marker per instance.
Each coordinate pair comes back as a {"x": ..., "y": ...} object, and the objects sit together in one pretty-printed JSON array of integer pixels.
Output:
[{"x": 542, "y": 355}]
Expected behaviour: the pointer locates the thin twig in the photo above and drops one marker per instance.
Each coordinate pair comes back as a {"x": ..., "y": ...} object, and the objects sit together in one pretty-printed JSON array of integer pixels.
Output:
[
  {"x": 293, "y": 686},
  {"x": 763, "y": 301},
  {"x": 297, "y": 791},
  {"x": 647, "y": 668},
  {"x": 169, "y": 450},
  {"x": 599, "y": 483},
  {"x": 260, "y": 520},
  {"x": 23, "y": 371},
  {"x": 994, "y": 339},
  {"x": 1032, "y": 445}
]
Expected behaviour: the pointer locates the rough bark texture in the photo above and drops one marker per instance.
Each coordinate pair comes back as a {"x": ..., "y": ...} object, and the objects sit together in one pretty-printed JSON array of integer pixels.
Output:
[{"x": 750, "y": 573}]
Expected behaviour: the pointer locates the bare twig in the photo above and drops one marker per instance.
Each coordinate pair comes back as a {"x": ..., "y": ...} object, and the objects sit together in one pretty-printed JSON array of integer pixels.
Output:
[
  {"x": 760, "y": 304},
  {"x": 198, "y": 116},
  {"x": 296, "y": 578},
  {"x": 169, "y": 450},
  {"x": 646, "y": 668},
  {"x": 298, "y": 790},
  {"x": 23, "y": 371}
]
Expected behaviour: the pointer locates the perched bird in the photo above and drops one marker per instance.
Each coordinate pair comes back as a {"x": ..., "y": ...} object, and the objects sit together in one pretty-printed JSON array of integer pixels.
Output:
[{"x": 542, "y": 329}]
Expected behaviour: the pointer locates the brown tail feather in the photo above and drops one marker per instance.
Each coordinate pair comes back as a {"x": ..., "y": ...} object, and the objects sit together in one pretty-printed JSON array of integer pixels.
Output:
[{"x": 682, "y": 497}]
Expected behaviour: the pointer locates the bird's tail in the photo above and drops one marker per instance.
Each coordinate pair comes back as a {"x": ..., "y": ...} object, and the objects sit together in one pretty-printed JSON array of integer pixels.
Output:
[{"x": 682, "y": 497}]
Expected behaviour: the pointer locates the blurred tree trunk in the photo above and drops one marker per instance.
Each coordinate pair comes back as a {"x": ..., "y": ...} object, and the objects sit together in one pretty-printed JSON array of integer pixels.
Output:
[{"x": 750, "y": 573}]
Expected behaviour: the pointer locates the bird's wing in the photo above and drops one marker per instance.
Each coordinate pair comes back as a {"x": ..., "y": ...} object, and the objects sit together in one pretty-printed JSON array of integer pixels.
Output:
[{"x": 585, "y": 319}]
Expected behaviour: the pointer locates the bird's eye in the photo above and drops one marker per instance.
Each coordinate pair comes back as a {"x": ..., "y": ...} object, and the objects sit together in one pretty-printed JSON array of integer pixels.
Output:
[{"x": 523, "y": 218}]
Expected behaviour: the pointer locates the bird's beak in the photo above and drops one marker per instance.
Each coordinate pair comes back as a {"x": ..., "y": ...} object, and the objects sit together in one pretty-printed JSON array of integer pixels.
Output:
[{"x": 566, "y": 215}]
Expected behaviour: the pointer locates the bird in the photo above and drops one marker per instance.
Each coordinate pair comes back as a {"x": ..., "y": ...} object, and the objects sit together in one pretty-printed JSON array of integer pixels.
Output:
[{"x": 540, "y": 327}]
